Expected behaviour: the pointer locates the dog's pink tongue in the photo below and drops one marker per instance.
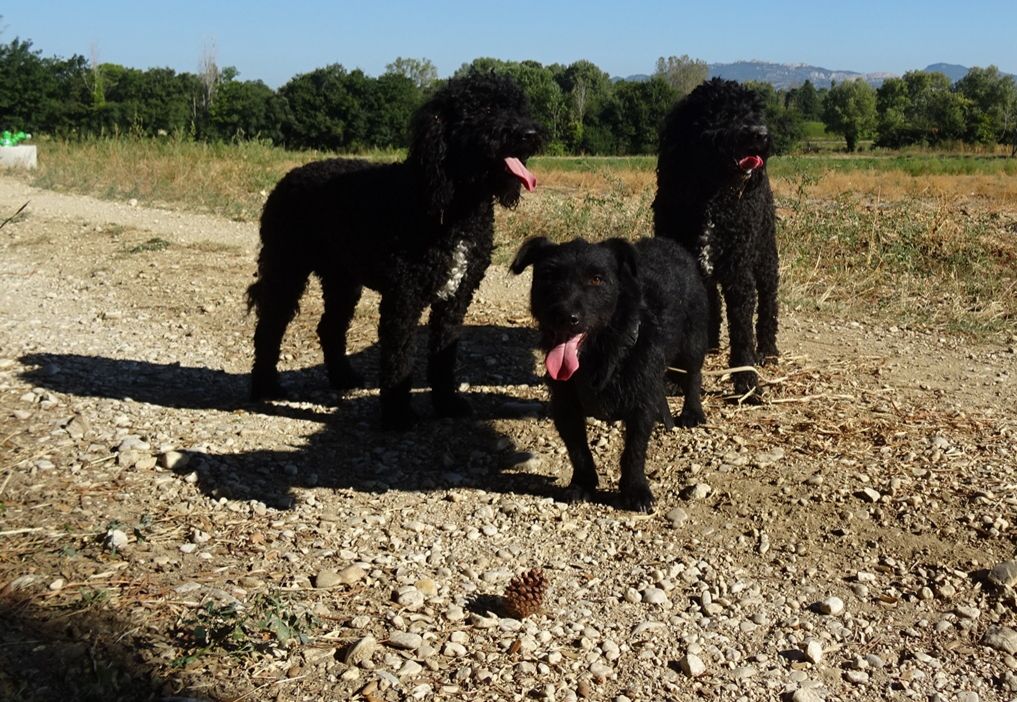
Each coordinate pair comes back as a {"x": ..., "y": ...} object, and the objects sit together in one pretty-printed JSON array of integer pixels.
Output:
[
  {"x": 520, "y": 171},
  {"x": 563, "y": 360},
  {"x": 750, "y": 163}
]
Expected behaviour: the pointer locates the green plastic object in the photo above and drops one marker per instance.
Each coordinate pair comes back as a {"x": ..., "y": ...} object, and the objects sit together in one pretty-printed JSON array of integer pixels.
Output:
[{"x": 13, "y": 138}]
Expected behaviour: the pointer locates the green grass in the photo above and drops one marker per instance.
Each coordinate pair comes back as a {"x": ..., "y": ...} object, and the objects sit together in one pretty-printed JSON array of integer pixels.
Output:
[
  {"x": 911, "y": 164},
  {"x": 586, "y": 164}
]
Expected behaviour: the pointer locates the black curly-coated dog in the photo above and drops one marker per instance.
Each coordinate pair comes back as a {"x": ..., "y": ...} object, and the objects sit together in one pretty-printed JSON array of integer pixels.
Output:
[
  {"x": 420, "y": 232},
  {"x": 612, "y": 318},
  {"x": 714, "y": 198}
]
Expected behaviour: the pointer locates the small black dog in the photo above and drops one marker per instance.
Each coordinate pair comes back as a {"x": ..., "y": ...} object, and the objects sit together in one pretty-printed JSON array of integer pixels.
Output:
[
  {"x": 714, "y": 198},
  {"x": 612, "y": 318},
  {"x": 419, "y": 232}
]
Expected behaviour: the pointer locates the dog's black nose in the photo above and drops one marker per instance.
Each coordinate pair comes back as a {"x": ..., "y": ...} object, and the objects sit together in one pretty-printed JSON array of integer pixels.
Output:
[{"x": 574, "y": 320}]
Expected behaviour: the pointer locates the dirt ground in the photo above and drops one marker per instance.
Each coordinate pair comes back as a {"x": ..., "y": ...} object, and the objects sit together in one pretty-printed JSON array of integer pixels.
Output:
[{"x": 852, "y": 538}]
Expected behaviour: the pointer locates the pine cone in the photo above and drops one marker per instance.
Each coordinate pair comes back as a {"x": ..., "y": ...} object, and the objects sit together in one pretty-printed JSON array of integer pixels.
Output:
[{"x": 525, "y": 594}]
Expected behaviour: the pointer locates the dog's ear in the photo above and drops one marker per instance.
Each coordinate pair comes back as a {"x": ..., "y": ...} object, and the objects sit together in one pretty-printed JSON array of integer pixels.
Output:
[
  {"x": 428, "y": 153},
  {"x": 625, "y": 253},
  {"x": 532, "y": 250}
]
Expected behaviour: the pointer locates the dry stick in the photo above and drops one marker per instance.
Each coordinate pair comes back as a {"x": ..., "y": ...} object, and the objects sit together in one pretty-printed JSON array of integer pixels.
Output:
[
  {"x": 26, "y": 530},
  {"x": 6, "y": 221}
]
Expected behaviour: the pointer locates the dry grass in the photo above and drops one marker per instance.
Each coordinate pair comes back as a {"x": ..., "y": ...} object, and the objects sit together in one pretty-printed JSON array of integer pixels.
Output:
[{"x": 921, "y": 238}]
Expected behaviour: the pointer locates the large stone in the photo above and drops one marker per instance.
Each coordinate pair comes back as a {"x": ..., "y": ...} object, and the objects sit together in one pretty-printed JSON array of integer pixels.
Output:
[{"x": 1004, "y": 574}]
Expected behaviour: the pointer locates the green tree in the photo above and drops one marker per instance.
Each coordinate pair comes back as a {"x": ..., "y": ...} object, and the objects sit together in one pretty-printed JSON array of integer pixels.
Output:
[
  {"x": 421, "y": 72},
  {"x": 993, "y": 102},
  {"x": 919, "y": 108},
  {"x": 682, "y": 73},
  {"x": 850, "y": 110},
  {"x": 785, "y": 125},
  {"x": 246, "y": 109},
  {"x": 806, "y": 101},
  {"x": 585, "y": 88},
  {"x": 323, "y": 113},
  {"x": 634, "y": 116}
]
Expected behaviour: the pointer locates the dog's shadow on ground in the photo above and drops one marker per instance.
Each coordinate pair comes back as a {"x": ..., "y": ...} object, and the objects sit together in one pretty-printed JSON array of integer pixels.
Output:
[{"x": 348, "y": 451}]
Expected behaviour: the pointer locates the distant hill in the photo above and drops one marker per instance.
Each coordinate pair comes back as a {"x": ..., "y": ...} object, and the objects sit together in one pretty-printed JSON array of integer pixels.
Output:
[
  {"x": 791, "y": 75},
  {"x": 785, "y": 75}
]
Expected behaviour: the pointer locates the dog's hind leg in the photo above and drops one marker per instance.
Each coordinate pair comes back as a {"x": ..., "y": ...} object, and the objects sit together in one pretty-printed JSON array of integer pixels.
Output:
[
  {"x": 635, "y": 490},
  {"x": 767, "y": 274},
  {"x": 340, "y": 297},
  {"x": 276, "y": 298}
]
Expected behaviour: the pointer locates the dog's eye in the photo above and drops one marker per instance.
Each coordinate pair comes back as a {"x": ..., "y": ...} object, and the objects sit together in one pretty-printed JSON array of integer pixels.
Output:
[{"x": 596, "y": 279}]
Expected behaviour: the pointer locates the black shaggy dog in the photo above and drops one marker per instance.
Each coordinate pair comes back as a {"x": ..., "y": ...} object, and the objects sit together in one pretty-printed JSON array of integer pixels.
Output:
[
  {"x": 419, "y": 232},
  {"x": 612, "y": 318},
  {"x": 714, "y": 198}
]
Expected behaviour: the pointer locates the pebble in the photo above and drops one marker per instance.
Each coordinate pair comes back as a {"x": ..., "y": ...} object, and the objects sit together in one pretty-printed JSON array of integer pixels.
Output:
[
  {"x": 326, "y": 579},
  {"x": 814, "y": 651},
  {"x": 351, "y": 574},
  {"x": 692, "y": 665},
  {"x": 410, "y": 597},
  {"x": 362, "y": 651},
  {"x": 643, "y": 627},
  {"x": 1004, "y": 574},
  {"x": 868, "y": 494},
  {"x": 831, "y": 605},
  {"x": 967, "y": 612},
  {"x": 654, "y": 596},
  {"x": 405, "y": 640},
  {"x": 410, "y": 669},
  {"x": 173, "y": 460},
  {"x": 453, "y": 650},
  {"x": 427, "y": 587},
  {"x": 115, "y": 538},
  {"x": 806, "y": 694},
  {"x": 696, "y": 491},
  {"x": 856, "y": 677},
  {"x": 677, "y": 517},
  {"x": 1001, "y": 638}
]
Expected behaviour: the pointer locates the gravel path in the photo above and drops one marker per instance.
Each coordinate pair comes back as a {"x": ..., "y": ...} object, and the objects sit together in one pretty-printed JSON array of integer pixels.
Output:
[{"x": 851, "y": 539}]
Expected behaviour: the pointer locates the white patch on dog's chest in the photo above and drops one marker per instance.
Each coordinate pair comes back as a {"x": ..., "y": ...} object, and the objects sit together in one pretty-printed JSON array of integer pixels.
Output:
[
  {"x": 456, "y": 272},
  {"x": 705, "y": 253}
]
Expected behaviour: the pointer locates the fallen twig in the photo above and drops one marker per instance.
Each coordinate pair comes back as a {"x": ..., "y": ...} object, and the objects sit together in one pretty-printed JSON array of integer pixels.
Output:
[{"x": 20, "y": 209}]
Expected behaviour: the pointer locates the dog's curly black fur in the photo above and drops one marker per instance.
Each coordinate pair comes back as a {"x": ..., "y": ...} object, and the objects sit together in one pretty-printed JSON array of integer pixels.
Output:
[
  {"x": 420, "y": 232},
  {"x": 714, "y": 198},
  {"x": 630, "y": 312}
]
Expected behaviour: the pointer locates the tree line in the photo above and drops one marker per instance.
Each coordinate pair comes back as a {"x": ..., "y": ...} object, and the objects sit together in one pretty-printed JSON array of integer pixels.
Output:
[{"x": 582, "y": 109}]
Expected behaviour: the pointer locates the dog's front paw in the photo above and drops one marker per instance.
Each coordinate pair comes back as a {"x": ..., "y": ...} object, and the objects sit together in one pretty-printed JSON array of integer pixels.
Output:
[
  {"x": 451, "y": 405},
  {"x": 745, "y": 386},
  {"x": 637, "y": 498},
  {"x": 579, "y": 493},
  {"x": 583, "y": 486},
  {"x": 767, "y": 357},
  {"x": 691, "y": 418}
]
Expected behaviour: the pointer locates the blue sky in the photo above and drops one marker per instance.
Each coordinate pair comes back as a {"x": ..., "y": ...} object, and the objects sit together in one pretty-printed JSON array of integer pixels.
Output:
[{"x": 274, "y": 41}]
